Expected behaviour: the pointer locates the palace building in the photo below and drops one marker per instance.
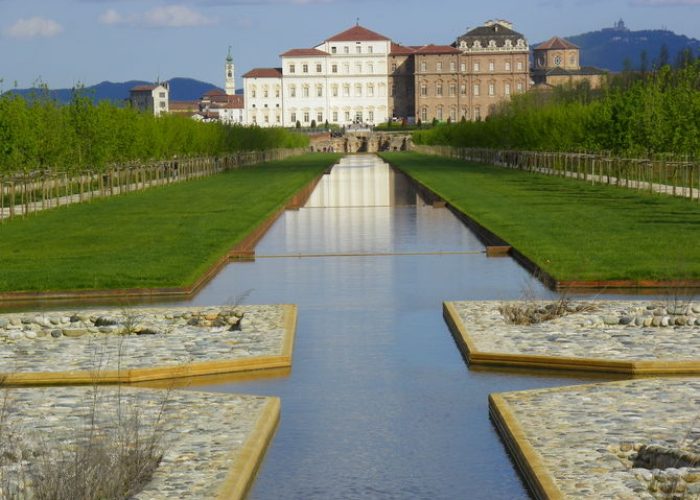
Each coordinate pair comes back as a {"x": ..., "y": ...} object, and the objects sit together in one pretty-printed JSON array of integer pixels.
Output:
[{"x": 557, "y": 62}]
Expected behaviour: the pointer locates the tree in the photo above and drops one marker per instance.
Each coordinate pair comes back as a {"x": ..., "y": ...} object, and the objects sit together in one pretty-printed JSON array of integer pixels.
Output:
[
  {"x": 643, "y": 62},
  {"x": 313, "y": 123},
  {"x": 664, "y": 57},
  {"x": 298, "y": 125}
]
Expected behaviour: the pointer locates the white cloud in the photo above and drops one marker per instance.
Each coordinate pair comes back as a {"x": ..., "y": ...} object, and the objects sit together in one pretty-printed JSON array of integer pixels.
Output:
[
  {"x": 34, "y": 27},
  {"x": 166, "y": 16}
]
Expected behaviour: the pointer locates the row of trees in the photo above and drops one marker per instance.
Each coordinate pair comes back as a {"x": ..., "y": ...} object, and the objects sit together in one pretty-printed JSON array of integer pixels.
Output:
[
  {"x": 42, "y": 134},
  {"x": 639, "y": 114}
]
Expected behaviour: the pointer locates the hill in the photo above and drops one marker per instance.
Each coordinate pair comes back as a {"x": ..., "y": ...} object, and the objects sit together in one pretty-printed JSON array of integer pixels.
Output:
[
  {"x": 610, "y": 47},
  {"x": 181, "y": 89}
]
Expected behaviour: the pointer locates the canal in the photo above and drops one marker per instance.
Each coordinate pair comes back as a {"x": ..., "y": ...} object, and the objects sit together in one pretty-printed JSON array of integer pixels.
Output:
[{"x": 379, "y": 403}]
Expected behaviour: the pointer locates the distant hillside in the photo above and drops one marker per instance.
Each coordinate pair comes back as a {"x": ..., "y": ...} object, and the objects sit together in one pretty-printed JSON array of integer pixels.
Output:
[
  {"x": 608, "y": 48},
  {"x": 181, "y": 89}
]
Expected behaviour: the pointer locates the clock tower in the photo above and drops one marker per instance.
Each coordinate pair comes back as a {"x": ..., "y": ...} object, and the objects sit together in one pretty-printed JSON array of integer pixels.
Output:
[{"x": 230, "y": 80}]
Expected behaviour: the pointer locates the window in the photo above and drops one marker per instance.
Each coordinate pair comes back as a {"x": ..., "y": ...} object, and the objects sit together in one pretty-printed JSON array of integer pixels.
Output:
[
  {"x": 424, "y": 89},
  {"x": 319, "y": 91},
  {"x": 277, "y": 91},
  {"x": 477, "y": 89},
  {"x": 463, "y": 89},
  {"x": 319, "y": 68},
  {"x": 266, "y": 93},
  {"x": 463, "y": 67},
  {"x": 507, "y": 65},
  {"x": 492, "y": 66},
  {"x": 477, "y": 113},
  {"x": 346, "y": 49},
  {"x": 370, "y": 49},
  {"x": 306, "y": 117},
  {"x": 393, "y": 67},
  {"x": 334, "y": 90},
  {"x": 267, "y": 119},
  {"x": 347, "y": 116},
  {"x": 346, "y": 90},
  {"x": 305, "y": 68},
  {"x": 319, "y": 118},
  {"x": 520, "y": 66},
  {"x": 358, "y": 89},
  {"x": 358, "y": 68},
  {"x": 506, "y": 89},
  {"x": 465, "y": 113},
  {"x": 335, "y": 116},
  {"x": 370, "y": 90},
  {"x": 305, "y": 91},
  {"x": 346, "y": 69},
  {"x": 370, "y": 68},
  {"x": 453, "y": 113},
  {"x": 253, "y": 93},
  {"x": 358, "y": 49},
  {"x": 423, "y": 67},
  {"x": 439, "y": 66},
  {"x": 453, "y": 67},
  {"x": 162, "y": 95},
  {"x": 358, "y": 117},
  {"x": 492, "y": 89},
  {"x": 293, "y": 91},
  {"x": 292, "y": 68},
  {"x": 424, "y": 114},
  {"x": 477, "y": 67},
  {"x": 519, "y": 86},
  {"x": 334, "y": 50},
  {"x": 370, "y": 116},
  {"x": 278, "y": 119},
  {"x": 162, "y": 104},
  {"x": 438, "y": 115},
  {"x": 334, "y": 68},
  {"x": 438, "y": 89},
  {"x": 453, "y": 90}
]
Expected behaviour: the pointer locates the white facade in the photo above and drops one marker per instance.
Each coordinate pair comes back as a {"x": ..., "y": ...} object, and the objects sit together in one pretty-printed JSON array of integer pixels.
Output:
[
  {"x": 150, "y": 98},
  {"x": 344, "y": 80}
]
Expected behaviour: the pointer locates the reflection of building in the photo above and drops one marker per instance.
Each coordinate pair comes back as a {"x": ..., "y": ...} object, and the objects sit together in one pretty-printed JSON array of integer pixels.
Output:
[
  {"x": 557, "y": 62},
  {"x": 150, "y": 98}
]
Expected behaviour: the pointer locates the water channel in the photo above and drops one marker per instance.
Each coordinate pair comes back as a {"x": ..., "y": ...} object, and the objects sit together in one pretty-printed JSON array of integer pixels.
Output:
[{"x": 379, "y": 403}]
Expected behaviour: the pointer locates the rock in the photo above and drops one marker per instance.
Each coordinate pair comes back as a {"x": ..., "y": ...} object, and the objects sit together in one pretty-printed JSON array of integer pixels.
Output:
[
  {"x": 4, "y": 322},
  {"x": 665, "y": 321},
  {"x": 211, "y": 316},
  {"x": 611, "y": 320},
  {"x": 31, "y": 335},
  {"x": 74, "y": 332},
  {"x": 660, "y": 311},
  {"x": 15, "y": 321},
  {"x": 639, "y": 320},
  {"x": 107, "y": 329},
  {"x": 696, "y": 308},
  {"x": 15, "y": 335},
  {"x": 691, "y": 321},
  {"x": 193, "y": 322},
  {"x": 54, "y": 320},
  {"x": 648, "y": 321},
  {"x": 147, "y": 331},
  {"x": 677, "y": 310},
  {"x": 625, "y": 320},
  {"x": 26, "y": 321},
  {"x": 656, "y": 321},
  {"x": 105, "y": 321},
  {"x": 74, "y": 318},
  {"x": 56, "y": 333}
]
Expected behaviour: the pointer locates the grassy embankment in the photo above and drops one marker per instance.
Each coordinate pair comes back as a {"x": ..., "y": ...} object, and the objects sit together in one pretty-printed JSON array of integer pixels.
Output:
[
  {"x": 570, "y": 229},
  {"x": 162, "y": 237}
]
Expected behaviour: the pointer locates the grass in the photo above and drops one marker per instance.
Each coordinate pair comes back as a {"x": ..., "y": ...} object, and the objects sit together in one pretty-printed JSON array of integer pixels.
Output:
[
  {"x": 570, "y": 229},
  {"x": 161, "y": 237}
]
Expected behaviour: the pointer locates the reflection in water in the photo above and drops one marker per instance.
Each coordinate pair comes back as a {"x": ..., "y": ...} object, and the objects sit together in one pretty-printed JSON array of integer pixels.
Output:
[{"x": 379, "y": 403}]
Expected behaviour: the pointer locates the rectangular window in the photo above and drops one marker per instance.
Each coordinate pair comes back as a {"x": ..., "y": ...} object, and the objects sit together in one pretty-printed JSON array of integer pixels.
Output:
[
  {"x": 335, "y": 116},
  {"x": 347, "y": 116},
  {"x": 162, "y": 95},
  {"x": 370, "y": 49},
  {"x": 293, "y": 117},
  {"x": 423, "y": 67},
  {"x": 423, "y": 89},
  {"x": 334, "y": 50},
  {"x": 453, "y": 90},
  {"x": 305, "y": 68},
  {"x": 292, "y": 91},
  {"x": 453, "y": 114},
  {"x": 439, "y": 113},
  {"x": 370, "y": 116},
  {"x": 439, "y": 66},
  {"x": 358, "y": 49},
  {"x": 507, "y": 65},
  {"x": 346, "y": 69},
  {"x": 477, "y": 89},
  {"x": 266, "y": 93},
  {"x": 358, "y": 68},
  {"x": 438, "y": 90},
  {"x": 278, "y": 119},
  {"x": 424, "y": 114},
  {"x": 162, "y": 104},
  {"x": 319, "y": 68},
  {"x": 346, "y": 90},
  {"x": 346, "y": 49},
  {"x": 492, "y": 89},
  {"x": 453, "y": 67},
  {"x": 519, "y": 87},
  {"x": 506, "y": 89},
  {"x": 477, "y": 113},
  {"x": 358, "y": 90},
  {"x": 334, "y": 90},
  {"x": 319, "y": 91},
  {"x": 305, "y": 91},
  {"x": 334, "y": 68},
  {"x": 267, "y": 119},
  {"x": 319, "y": 118},
  {"x": 370, "y": 90},
  {"x": 292, "y": 68},
  {"x": 477, "y": 67},
  {"x": 463, "y": 67},
  {"x": 393, "y": 67},
  {"x": 463, "y": 89},
  {"x": 520, "y": 66},
  {"x": 306, "y": 117},
  {"x": 492, "y": 66}
]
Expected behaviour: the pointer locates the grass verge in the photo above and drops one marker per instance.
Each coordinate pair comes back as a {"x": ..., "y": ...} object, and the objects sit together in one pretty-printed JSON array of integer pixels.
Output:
[
  {"x": 161, "y": 237},
  {"x": 570, "y": 229}
]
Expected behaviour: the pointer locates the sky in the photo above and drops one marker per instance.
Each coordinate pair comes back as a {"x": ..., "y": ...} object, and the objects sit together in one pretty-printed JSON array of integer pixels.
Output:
[{"x": 67, "y": 42}]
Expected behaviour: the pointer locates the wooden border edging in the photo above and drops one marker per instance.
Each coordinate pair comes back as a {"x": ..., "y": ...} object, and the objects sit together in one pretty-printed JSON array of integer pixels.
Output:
[
  {"x": 533, "y": 470},
  {"x": 244, "y": 249},
  {"x": 242, "y": 475},
  {"x": 134, "y": 375},
  {"x": 502, "y": 248},
  {"x": 632, "y": 368}
]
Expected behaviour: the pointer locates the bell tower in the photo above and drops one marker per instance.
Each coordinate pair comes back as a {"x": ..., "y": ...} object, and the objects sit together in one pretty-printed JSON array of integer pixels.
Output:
[{"x": 230, "y": 80}]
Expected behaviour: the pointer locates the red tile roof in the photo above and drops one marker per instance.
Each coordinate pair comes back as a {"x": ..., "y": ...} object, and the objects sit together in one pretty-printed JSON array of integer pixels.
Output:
[
  {"x": 235, "y": 102},
  {"x": 358, "y": 34},
  {"x": 264, "y": 73},
  {"x": 556, "y": 43},
  {"x": 304, "y": 53},
  {"x": 214, "y": 92},
  {"x": 438, "y": 49},
  {"x": 183, "y": 106},
  {"x": 399, "y": 50}
]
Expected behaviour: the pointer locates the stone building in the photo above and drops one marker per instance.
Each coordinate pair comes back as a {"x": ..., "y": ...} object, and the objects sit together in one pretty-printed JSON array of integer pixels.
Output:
[
  {"x": 150, "y": 98},
  {"x": 262, "y": 88},
  {"x": 402, "y": 99},
  {"x": 558, "y": 62}
]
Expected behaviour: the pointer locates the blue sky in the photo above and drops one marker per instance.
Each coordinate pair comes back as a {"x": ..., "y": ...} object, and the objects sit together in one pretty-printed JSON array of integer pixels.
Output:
[{"x": 63, "y": 42}]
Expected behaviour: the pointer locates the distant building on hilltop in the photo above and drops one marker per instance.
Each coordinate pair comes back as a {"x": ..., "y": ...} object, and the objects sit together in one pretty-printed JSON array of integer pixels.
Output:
[
  {"x": 557, "y": 62},
  {"x": 150, "y": 98}
]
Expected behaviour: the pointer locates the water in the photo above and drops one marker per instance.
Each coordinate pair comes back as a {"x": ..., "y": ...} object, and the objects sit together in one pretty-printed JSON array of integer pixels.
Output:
[{"x": 379, "y": 403}]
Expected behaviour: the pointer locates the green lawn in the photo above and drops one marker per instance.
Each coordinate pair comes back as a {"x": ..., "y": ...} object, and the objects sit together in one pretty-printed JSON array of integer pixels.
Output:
[
  {"x": 570, "y": 229},
  {"x": 161, "y": 237}
]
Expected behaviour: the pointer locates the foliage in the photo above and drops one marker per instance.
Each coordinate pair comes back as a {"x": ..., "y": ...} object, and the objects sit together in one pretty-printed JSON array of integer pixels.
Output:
[
  {"x": 39, "y": 133},
  {"x": 635, "y": 114}
]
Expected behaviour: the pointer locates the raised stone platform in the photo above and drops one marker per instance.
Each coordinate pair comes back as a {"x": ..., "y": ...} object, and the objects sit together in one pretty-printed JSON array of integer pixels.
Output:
[
  {"x": 634, "y": 338},
  {"x": 137, "y": 345},
  {"x": 212, "y": 443},
  {"x": 624, "y": 440}
]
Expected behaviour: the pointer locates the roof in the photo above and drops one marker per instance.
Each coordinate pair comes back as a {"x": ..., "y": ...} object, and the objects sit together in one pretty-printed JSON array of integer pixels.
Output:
[
  {"x": 264, "y": 73},
  {"x": 495, "y": 31},
  {"x": 583, "y": 71},
  {"x": 398, "y": 50},
  {"x": 214, "y": 92},
  {"x": 143, "y": 88},
  {"x": 304, "y": 53},
  {"x": 556, "y": 43},
  {"x": 438, "y": 49},
  {"x": 183, "y": 105},
  {"x": 358, "y": 34}
]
